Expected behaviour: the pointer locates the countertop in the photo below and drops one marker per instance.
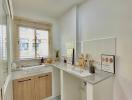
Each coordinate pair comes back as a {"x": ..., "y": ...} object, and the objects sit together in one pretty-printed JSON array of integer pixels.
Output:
[
  {"x": 90, "y": 78},
  {"x": 30, "y": 71},
  {"x": 98, "y": 76}
]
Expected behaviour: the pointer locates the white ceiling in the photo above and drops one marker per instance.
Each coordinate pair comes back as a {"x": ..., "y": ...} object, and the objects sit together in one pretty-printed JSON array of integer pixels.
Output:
[{"x": 52, "y": 8}]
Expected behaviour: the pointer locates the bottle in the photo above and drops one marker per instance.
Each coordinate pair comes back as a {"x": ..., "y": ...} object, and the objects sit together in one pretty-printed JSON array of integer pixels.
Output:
[
  {"x": 73, "y": 57},
  {"x": 65, "y": 61},
  {"x": 42, "y": 60},
  {"x": 92, "y": 67}
]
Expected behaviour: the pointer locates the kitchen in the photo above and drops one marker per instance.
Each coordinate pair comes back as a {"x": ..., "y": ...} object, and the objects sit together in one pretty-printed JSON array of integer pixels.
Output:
[{"x": 58, "y": 65}]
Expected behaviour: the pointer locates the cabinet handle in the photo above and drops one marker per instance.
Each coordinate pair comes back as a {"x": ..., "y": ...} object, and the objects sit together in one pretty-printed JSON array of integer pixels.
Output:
[
  {"x": 43, "y": 76},
  {"x": 24, "y": 80}
]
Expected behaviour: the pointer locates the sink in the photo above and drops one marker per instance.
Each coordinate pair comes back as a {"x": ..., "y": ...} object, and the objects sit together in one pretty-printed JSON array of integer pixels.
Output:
[
  {"x": 74, "y": 70},
  {"x": 32, "y": 67},
  {"x": 79, "y": 72},
  {"x": 83, "y": 73},
  {"x": 30, "y": 71},
  {"x": 35, "y": 69}
]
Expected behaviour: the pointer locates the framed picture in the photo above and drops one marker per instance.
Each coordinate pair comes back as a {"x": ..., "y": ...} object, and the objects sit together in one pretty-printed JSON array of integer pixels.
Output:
[{"x": 108, "y": 63}]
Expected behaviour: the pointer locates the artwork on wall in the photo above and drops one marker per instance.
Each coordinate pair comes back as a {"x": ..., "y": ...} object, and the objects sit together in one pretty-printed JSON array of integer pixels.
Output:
[
  {"x": 108, "y": 63},
  {"x": 97, "y": 47}
]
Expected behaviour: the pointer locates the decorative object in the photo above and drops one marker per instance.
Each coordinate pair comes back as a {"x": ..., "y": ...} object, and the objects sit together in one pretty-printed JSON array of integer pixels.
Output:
[
  {"x": 87, "y": 59},
  {"x": 49, "y": 61},
  {"x": 65, "y": 60},
  {"x": 91, "y": 66},
  {"x": 42, "y": 61},
  {"x": 108, "y": 63},
  {"x": 83, "y": 61},
  {"x": 57, "y": 55}
]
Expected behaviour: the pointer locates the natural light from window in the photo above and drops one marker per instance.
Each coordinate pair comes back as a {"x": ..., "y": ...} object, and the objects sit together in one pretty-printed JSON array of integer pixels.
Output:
[{"x": 33, "y": 43}]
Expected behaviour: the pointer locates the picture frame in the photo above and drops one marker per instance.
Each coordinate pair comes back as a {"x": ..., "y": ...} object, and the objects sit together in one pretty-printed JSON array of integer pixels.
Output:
[{"x": 108, "y": 63}]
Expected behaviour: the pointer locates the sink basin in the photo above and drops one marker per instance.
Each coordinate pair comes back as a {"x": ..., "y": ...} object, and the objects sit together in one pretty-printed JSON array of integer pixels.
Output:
[
  {"x": 32, "y": 67},
  {"x": 35, "y": 69},
  {"x": 79, "y": 72},
  {"x": 73, "y": 70},
  {"x": 84, "y": 73},
  {"x": 30, "y": 71}
]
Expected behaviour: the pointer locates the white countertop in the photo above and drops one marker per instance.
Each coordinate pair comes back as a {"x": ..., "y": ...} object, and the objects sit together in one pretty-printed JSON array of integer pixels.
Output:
[
  {"x": 91, "y": 78},
  {"x": 30, "y": 71},
  {"x": 86, "y": 76},
  {"x": 98, "y": 77}
]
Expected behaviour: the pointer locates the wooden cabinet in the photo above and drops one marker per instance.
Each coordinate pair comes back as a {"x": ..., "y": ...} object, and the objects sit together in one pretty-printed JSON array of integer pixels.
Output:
[
  {"x": 43, "y": 86},
  {"x": 33, "y": 88},
  {"x": 23, "y": 89}
]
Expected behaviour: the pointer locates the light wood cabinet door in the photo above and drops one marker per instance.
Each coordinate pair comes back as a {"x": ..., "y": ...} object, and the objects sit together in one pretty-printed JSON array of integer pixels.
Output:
[
  {"x": 33, "y": 88},
  {"x": 24, "y": 89},
  {"x": 43, "y": 86}
]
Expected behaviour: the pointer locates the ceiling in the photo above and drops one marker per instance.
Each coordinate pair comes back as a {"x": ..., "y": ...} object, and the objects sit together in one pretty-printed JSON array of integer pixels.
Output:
[{"x": 52, "y": 8}]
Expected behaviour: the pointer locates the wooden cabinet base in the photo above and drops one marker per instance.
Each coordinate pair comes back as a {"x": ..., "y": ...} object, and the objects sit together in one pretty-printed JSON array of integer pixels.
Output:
[{"x": 33, "y": 88}]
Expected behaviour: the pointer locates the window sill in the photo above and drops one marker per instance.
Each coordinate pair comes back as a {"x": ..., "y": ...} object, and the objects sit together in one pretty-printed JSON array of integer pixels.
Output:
[{"x": 28, "y": 59}]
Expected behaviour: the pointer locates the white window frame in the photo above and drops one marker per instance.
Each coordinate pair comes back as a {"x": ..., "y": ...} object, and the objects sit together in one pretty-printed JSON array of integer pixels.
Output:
[{"x": 22, "y": 22}]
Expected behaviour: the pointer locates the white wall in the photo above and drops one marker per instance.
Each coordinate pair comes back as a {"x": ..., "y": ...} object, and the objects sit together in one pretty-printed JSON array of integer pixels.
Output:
[
  {"x": 111, "y": 18},
  {"x": 103, "y": 19},
  {"x": 67, "y": 24}
]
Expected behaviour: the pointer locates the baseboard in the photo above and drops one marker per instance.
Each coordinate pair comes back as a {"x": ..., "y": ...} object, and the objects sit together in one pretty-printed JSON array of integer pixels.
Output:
[{"x": 51, "y": 98}]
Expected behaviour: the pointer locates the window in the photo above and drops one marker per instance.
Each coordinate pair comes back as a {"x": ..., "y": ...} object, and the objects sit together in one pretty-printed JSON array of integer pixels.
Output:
[
  {"x": 3, "y": 42},
  {"x": 42, "y": 43},
  {"x": 33, "y": 43}
]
